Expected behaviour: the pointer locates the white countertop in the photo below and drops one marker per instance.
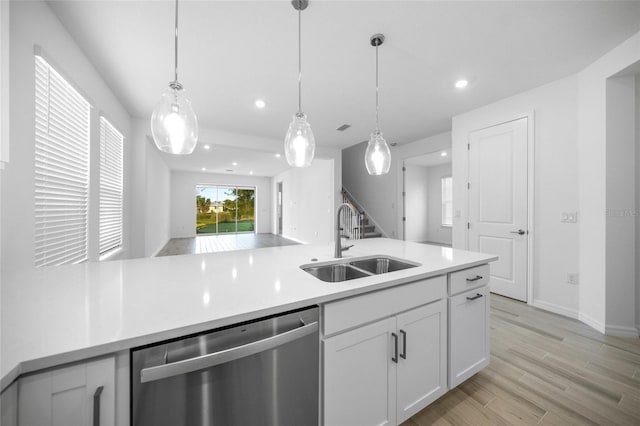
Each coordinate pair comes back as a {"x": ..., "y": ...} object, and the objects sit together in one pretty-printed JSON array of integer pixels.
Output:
[{"x": 51, "y": 316}]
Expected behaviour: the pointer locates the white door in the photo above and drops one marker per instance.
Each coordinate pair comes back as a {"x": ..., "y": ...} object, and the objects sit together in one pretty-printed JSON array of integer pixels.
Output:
[
  {"x": 422, "y": 358},
  {"x": 498, "y": 203},
  {"x": 359, "y": 379}
]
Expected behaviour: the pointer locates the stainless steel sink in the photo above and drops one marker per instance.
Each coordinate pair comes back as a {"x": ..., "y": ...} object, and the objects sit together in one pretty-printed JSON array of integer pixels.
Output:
[
  {"x": 344, "y": 270},
  {"x": 381, "y": 265},
  {"x": 335, "y": 272}
]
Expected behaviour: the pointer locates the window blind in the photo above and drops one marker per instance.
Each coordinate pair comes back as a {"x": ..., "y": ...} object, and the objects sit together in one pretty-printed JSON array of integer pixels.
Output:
[
  {"x": 111, "y": 142},
  {"x": 61, "y": 169}
]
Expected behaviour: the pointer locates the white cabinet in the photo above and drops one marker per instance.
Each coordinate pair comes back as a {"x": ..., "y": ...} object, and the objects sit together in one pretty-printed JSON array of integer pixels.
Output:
[
  {"x": 422, "y": 363},
  {"x": 82, "y": 394},
  {"x": 9, "y": 406},
  {"x": 359, "y": 383},
  {"x": 469, "y": 350},
  {"x": 383, "y": 373}
]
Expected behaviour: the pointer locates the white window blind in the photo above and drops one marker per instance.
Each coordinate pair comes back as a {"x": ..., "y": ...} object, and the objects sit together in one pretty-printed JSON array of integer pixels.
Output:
[
  {"x": 61, "y": 169},
  {"x": 447, "y": 201},
  {"x": 111, "y": 142}
]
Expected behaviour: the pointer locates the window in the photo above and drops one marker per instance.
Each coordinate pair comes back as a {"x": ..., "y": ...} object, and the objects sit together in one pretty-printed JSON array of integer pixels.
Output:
[
  {"x": 447, "y": 201},
  {"x": 61, "y": 169},
  {"x": 111, "y": 142}
]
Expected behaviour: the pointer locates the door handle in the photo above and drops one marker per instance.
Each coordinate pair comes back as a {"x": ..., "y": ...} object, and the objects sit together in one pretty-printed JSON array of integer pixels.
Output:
[
  {"x": 403, "y": 355},
  {"x": 394, "y": 358},
  {"x": 151, "y": 374},
  {"x": 519, "y": 232}
]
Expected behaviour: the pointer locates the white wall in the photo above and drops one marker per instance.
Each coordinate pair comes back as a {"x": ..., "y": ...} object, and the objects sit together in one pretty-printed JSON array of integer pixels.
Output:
[
  {"x": 308, "y": 202},
  {"x": 158, "y": 206},
  {"x": 183, "y": 199},
  {"x": 555, "y": 184},
  {"x": 32, "y": 23},
  {"x": 593, "y": 175},
  {"x": 381, "y": 196},
  {"x": 436, "y": 232},
  {"x": 417, "y": 202}
]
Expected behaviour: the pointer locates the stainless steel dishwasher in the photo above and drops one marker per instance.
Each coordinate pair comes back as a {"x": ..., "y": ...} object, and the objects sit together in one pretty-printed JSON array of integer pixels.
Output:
[{"x": 264, "y": 372}]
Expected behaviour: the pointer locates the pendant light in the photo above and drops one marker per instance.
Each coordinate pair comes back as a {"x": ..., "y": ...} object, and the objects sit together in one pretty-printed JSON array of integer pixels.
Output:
[
  {"x": 299, "y": 143},
  {"x": 377, "y": 157},
  {"x": 174, "y": 125}
]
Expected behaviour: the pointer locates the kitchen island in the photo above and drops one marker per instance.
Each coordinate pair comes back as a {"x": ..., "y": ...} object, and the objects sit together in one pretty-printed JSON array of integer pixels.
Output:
[{"x": 61, "y": 315}]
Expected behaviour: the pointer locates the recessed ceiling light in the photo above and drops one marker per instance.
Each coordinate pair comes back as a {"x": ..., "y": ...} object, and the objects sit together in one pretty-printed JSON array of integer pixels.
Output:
[
  {"x": 443, "y": 154},
  {"x": 251, "y": 172},
  {"x": 461, "y": 84},
  {"x": 234, "y": 164},
  {"x": 207, "y": 147},
  {"x": 204, "y": 169},
  {"x": 278, "y": 155},
  {"x": 260, "y": 103}
]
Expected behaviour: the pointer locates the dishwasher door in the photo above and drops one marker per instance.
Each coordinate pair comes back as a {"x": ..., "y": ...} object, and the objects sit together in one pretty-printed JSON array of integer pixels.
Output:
[{"x": 264, "y": 372}]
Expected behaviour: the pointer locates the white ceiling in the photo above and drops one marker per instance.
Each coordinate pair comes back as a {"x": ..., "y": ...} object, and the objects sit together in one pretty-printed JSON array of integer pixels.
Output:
[{"x": 233, "y": 52}]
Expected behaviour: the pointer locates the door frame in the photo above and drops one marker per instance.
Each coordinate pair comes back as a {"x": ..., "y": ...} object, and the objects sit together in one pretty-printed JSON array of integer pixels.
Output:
[{"x": 530, "y": 116}]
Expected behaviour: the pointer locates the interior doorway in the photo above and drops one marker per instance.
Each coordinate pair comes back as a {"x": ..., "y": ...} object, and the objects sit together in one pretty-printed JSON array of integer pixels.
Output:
[
  {"x": 279, "y": 207},
  {"x": 224, "y": 209},
  {"x": 427, "y": 198}
]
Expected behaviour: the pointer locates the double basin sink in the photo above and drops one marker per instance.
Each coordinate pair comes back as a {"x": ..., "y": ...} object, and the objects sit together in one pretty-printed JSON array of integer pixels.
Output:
[{"x": 350, "y": 269}]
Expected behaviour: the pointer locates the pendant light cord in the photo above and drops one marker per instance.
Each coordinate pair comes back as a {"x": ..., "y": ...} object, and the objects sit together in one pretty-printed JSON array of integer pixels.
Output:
[
  {"x": 299, "y": 61},
  {"x": 377, "y": 87},
  {"x": 176, "y": 46}
]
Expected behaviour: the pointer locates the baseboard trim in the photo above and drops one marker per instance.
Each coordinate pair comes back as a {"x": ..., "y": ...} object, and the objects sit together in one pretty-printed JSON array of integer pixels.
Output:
[
  {"x": 593, "y": 323},
  {"x": 556, "y": 309},
  {"x": 621, "y": 331}
]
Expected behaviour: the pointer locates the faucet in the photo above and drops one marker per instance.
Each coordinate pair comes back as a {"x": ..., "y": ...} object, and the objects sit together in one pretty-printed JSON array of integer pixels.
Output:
[{"x": 339, "y": 248}]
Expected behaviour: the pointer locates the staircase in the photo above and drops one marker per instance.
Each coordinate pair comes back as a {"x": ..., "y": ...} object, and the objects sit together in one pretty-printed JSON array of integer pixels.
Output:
[{"x": 358, "y": 226}]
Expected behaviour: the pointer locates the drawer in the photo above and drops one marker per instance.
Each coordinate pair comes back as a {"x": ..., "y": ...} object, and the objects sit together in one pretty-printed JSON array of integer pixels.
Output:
[
  {"x": 468, "y": 279},
  {"x": 354, "y": 311}
]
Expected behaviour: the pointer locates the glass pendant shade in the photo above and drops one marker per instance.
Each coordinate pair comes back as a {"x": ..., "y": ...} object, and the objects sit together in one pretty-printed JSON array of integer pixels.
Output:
[
  {"x": 377, "y": 157},
  {"x": 174, "y": 124},
  {"x": 299, "y": 143}
]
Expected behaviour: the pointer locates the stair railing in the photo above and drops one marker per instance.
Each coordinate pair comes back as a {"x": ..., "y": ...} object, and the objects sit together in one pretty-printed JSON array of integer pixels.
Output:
[{"x": 353, "y": 224}]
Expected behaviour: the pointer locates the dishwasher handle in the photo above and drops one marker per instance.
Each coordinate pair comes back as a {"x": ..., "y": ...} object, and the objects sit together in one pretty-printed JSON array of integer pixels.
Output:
[{"x": 203, "y": 362}]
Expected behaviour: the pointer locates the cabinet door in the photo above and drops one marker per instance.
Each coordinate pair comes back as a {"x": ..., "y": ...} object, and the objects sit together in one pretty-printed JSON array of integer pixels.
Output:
[
  {"x": 359, "y": 376},
  {"x": 422, "y": 363},
  {"x": 468, "y": 334},
  {"x": 65, "y": 396},
  {"x": 9, "y": 406}
]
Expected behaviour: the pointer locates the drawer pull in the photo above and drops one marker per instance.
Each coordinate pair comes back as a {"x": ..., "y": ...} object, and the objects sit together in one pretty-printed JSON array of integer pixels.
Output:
[
  {"x": 403, "y": 355},
  {"x": 477, "y": 296},
  {"x": 478, "y": 277}
]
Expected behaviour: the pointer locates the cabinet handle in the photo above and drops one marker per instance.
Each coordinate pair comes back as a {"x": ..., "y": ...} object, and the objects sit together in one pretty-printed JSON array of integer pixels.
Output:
[
  {"x": 403, "y": 355},
  {"x": 96, "y": 406},
  {"x": 478, "y": 277},
  {"x": 477, "y": 296},
  {"x": 394, "y": 358}
]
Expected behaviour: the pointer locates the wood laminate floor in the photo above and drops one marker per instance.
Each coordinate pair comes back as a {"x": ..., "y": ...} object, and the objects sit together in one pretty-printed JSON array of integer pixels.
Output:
[
  {"x": 226, "y": 242},
  {"x": 545, "y": 369}
]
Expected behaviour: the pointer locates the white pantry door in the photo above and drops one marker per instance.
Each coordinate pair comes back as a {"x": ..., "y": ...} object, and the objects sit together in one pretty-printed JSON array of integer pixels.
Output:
[{"x": 498, "y": 203}]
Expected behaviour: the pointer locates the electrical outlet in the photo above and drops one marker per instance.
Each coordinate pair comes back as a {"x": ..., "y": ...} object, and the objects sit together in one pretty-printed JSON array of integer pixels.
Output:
[
  {"x": 569, "y": 217},
  {"x": 572, "y": 278}
]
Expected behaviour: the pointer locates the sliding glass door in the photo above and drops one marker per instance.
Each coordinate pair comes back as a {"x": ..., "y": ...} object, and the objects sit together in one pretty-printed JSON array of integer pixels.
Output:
[{"x": 223, "y": 209}]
